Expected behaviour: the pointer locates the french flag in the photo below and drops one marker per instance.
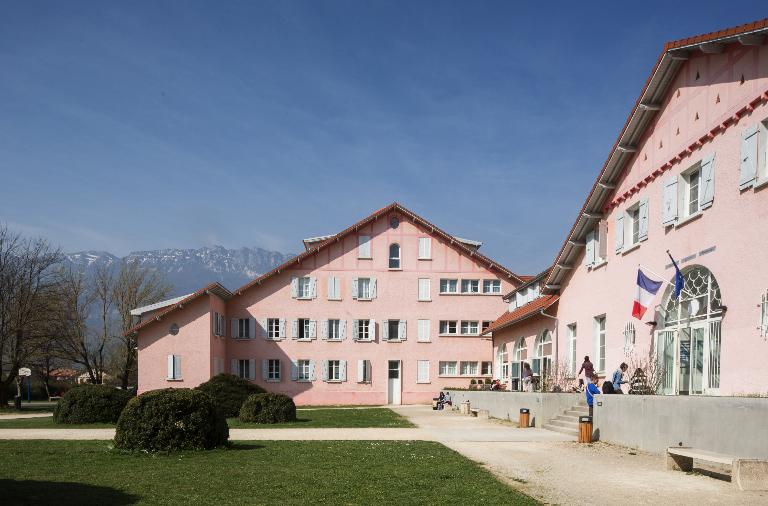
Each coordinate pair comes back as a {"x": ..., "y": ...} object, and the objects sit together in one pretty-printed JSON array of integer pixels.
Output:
[{"x": 646, "y": 291}]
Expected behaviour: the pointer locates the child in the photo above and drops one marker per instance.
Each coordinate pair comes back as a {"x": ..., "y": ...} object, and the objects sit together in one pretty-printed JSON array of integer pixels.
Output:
[{"x": 591, "y": 390}]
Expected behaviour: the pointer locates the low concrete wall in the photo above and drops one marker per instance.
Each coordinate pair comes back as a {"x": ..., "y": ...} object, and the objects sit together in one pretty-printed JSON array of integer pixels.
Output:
[
  {"x": 732, "y": 425},
  {"x": 507, "y": 405}
]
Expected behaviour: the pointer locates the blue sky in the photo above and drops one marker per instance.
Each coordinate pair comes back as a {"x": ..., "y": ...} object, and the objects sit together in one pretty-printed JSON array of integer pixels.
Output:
[{"x": 143, "y": 125}]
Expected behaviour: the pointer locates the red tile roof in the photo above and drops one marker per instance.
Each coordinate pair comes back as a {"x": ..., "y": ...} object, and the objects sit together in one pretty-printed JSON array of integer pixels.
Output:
[{"x": 531, "y": 309}]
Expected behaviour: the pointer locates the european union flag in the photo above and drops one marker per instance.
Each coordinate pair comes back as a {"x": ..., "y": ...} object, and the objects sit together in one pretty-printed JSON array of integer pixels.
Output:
[{"x": 679, "y": 281}]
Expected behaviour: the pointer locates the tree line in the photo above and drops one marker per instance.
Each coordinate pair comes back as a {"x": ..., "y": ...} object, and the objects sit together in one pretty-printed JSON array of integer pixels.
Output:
[{"x": 53, "y": 315}]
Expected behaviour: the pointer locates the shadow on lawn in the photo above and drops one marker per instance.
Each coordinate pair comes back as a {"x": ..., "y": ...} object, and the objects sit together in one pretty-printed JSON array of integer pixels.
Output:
[
  {"x": 30, "y": 492},
  {"x": 244, "y": 446}
]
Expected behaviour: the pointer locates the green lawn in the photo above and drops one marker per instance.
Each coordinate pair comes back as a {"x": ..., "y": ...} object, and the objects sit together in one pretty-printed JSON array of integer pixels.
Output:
[
  {"x": 273, "y": 472},
  {"x": 307, "y": 419}
]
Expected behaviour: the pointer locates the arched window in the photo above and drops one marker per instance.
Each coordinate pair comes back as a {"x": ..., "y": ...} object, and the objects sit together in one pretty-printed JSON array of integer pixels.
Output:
[
  {"x": 521, "y": 351},
  {"x": 542, "y": 353},
  {"x": 699, "y": 301},
  {"x": 394, "y": 256},
  {"x": 629, "y": 338},
  {"x": 503, "y": 362}
]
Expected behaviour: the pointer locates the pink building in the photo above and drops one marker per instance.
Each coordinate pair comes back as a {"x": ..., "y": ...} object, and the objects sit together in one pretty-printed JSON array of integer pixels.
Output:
[
  {"x": 389, "y": 310},
  {"x": 687, "y": 174}
]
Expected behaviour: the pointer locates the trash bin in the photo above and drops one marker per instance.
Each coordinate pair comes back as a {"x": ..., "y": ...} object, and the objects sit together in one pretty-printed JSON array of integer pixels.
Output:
[
  {"x": 435, "y": 402},
  {"x": 464, "y": 408},
  {"x": 525, "y": 418},
  {"x": 585, "y": 429}
]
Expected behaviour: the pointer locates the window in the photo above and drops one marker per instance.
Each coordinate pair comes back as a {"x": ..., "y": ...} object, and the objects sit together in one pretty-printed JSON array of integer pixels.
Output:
[
  {"x": 364, "y": 288},
  {"x": 632, "y": 226},
  {"x": 486, "y": 368},
  {"x": 363, "y": 371},
  {"x": 423, "y": 331},
  {"x": 687, "y": 194},
  {"x": 469, "y": 368},
  {"x": 491, "y": 286},
  {"x": 393, "y": 330},
  {"x": 304, "y": 370},
  {"x": 334, "y": 330},
  {"x": 174, "y": 367},
  {"x": 304, "y": 288},
  {"x": 764, "y": 315},
  {"x": 275, "y": 328},
  {"x": 447, "y": 368},
  {"x": 243, "y": 328},
  {"x": 484, "y": 326},
  {"x": 503, "y": 357},
  {"x": 425, "y": 248},
  {"x": 425, "y": 287},
  {"x": 572, "y": 361},
  {"x": 629, "y": 337},
  {"x": 596, "y": 251},
  {"x": 218, "y": 324},
  {"x": 364, "y": 330},
  {"x": 691, "y": 181},
  {"x": 470, "y": 286},
  {"x": 334, "y": 288},
  {"x": 394, "y": 256},
  {"x": 448, "y": 327},
  {"x": 273, "y": 370},
  {"x": 334, "y": 370},
  {"x": 364, "y": 246},
  {"x": 422, "y": 371},
  {"x": 633, "y": 221},
  {"x": 469, "y": 328},
  {"x": 600, "y": 343},
  {"x": 244, "y": 368},
  {"x": 449, "y": 286}
]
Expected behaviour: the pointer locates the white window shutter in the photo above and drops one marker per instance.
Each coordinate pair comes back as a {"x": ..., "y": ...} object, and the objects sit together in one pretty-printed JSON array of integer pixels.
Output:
[
  {"x": 748, "y": 169},
  {"x": 669, "y": 211},
  {"x": 263, "y": 329},
  {"x": 373, "y": 288},
  {"x": 265, "y": 369},
  {"x": 235, "y": 331},
  {"x": 424, "y": 289},
  {"x": 355, "y": 329},
  {"x": 312, "y": 329},
  {"x": 401, "y": 330},
  {"x": 343, "y": 370},
  {"x": 589, "y": 252},
  {"x": 325, "y": 370},
  {"x": 619, "y": 232},
  {"x": 233, "y": 367},
  {"x": 643, "y": 220},
  {"x": 170, "y": 366},
  {"x": 384, "y": 330},
  {"x": 372, "y": 329},
  {"x": 252, "y": 368},
  {"x": 294, "y": 287},
  {"x": 294, "y": 370},
  {"x": 360, "y": 371},
  {"x": 342, "y": 329},
  {"x": 423, "y": 330},
  {"x": 337, "y": 288},
  {"x": 324, "y": 330},
  {"x": 707, "y": 181},
  {"x": 252, "y": 328},
  {"x": 282, "y": 328},
  {"x": 354, "y": 288},
  {"x": 177, "y": 366},
  {"x": 602, "y": 240},
  {"x": 294, "y": 329},
  {"x": 331, "y": 288},
  {"x": 313, "y": 288},
  {"x": 312, "y": 376}
]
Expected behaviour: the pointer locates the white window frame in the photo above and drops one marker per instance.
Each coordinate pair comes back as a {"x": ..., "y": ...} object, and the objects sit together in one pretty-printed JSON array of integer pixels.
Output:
[
  {"x": 395, "y": 263},
  {"x": 303, "y": 370},
  {"x": 425, "y": 290},
  {"x": 363, "y": 329},
  {"x": 274, "y": 369},
  {"x": 447, "y": 324},
  {"x": 599, "y": 336},
  {"x": 422, "y": 371},
  {"x": 688, "y": 180},
  {"x": 632, "y": 226},
  {"x": 334, "y": 329},
  {"x": 469, "y": 328},
  {"x": 334, "y": 288},
  {"x": 303, "y": 287},
  {"x": 763, "y": 306},
  {"x": 447, "y": 283},
  {"x": 364, "y": 247},
  {"x": 244, "y": 330},
  {"x": 273, "y": 329},
  {"x": 174, "y": 361},
  {"x": 470, "y": 286},
  {"x": 572, "y": 341},
  {"x": 367, "y": 294},
  {"x": 244, "y": 368},
  {"x": 486, "y": 368},
  {"x": 218, "y": 324},
  {"x": 492, "y": 286},
  {"x": 334, "y": 370},
  {"x": 425, "y": 248},
  {"x": 423, "y": 335},
  {"x": 468, "y": 368},
  {"x": 303, "y": 326},
  {"x": 447, "y": 368}
]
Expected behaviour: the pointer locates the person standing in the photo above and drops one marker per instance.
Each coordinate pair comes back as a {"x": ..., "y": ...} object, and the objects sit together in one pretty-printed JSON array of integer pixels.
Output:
[
  {"x": 527, "y": 377},
  {"x": 589, "y": 370},
  {"x": 591, "y": 391},
  {"x": 618, "y": 378}
]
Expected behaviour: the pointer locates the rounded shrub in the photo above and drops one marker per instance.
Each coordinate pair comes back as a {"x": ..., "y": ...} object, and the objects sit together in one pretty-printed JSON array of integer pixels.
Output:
[
  {"x": 268, "y": 408},
  {"x": 91, "y": 404},
  {"x": 171, "y": 419},
  {"x": 229, "y": 392}
]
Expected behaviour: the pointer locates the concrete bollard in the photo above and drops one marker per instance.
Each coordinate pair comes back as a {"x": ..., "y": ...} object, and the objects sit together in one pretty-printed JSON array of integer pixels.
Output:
[{"x": 464, "y": 408}]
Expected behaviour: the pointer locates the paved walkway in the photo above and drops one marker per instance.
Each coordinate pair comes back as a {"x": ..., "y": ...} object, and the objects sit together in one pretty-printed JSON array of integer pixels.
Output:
[{"x": 16, "y": 416}]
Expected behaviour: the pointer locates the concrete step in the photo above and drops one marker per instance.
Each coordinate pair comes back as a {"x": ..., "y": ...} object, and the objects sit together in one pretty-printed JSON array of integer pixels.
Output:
[
  {"x": 568, "y": 424},
  {"x": 562, "y": 430},
  {"x": 566, "y": 418},
  {"x": 577, "y": 413}
]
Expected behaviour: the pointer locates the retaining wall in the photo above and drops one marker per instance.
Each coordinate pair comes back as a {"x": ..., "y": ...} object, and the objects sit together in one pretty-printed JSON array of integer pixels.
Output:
[{"x": 507, "y": 405}]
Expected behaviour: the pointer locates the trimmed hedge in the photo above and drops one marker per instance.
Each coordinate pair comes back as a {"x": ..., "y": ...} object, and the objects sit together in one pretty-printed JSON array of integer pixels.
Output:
[
  {"x": 229, "y": 392},
  {"x": 91, "y": 404},
  {"x": 171, "y": 419},
  {"x": 268, "y": 408}
]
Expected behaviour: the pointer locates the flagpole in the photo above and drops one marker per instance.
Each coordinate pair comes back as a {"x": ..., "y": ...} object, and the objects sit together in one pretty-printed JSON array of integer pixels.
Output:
[{"x": 663, "y": 280}]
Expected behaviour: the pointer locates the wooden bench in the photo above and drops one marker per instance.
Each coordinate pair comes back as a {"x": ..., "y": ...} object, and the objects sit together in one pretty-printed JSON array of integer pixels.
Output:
[{"x": 746, "y": 474}]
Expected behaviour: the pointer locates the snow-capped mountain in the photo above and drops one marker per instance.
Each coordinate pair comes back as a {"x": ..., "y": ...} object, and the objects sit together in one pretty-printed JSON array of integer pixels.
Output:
[{"x": 191, "y": 269}]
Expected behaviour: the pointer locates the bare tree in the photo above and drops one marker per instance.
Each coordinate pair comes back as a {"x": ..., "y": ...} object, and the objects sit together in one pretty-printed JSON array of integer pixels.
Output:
[
  {"x": 647, "y": 372},
  {"x": 557, "y": 377},
  {"x": 75, "y": 341},
  {"x": 135, "y": 286},
  {"x": 27, "y": 287},
  {"x": 45, "y": 361}
]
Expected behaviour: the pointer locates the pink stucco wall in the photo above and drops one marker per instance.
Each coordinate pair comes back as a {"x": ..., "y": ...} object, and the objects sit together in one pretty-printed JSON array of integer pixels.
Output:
[
  {"x": 397, "y": 298},
  {"x": 528, "y": 330},
  {"x": 730, "y": 238}
]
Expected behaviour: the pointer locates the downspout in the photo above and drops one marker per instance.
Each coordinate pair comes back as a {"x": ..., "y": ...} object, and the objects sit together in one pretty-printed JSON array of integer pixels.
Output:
[{"x": 557, "y": 334}]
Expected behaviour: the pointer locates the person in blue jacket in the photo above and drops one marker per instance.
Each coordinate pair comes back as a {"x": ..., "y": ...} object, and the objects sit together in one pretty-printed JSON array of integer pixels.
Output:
[
  {"x": 591, "y": 390},
  {"x": 618, "y": 378}
]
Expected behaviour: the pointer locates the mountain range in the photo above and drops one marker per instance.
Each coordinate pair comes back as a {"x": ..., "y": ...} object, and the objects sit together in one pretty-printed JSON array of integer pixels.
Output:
[{"x": 191, "y": 269}]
